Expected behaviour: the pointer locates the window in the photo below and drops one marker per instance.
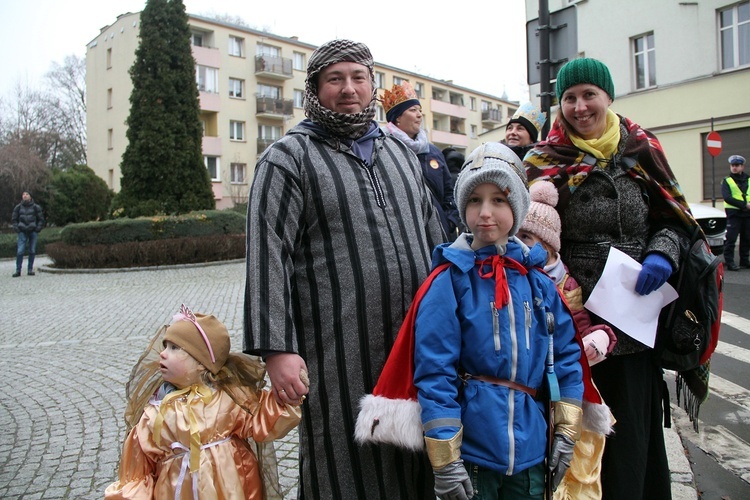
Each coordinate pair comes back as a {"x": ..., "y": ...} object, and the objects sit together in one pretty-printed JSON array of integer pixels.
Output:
[
  {"x": 109, "y": 58},
  {"x": 110, "y": 138},
  {"x": 267, "y": 50},
  {"x": 269, "y": 132},
  {"x": 269, "y": 91},
  {"x": 207, "y": 79},
  {"x": 419, "y": 89},
  {"x": 486, "y": 105},
  {"x": 236, "y": 130},
  {"x": 237, "y": 173},
  {"x": 456, "y": 99},
  {"x": 379, "y": 113},
  {"x": 473, "y": 103},
  {"x": 473, "y": 131},
  {"x": 644, "y": 61},
  {"x": 212, "y": 165},
  {"x": 299, "y": 98},
  {"x": 397, "y": 80},
  {"x": 380, "y": 79},
  {"x": 197, "y": 39},
  {"x": 734, "y": 32},
  {"x": 298, "y": 61},
  {"x": 109, "y": 98},
  {"x": 236, "y": 88},
  {"x": 236, "y": 46}
]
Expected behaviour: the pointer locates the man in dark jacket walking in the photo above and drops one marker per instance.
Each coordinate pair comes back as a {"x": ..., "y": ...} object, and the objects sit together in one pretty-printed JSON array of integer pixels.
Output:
[
  {"x": 27, "y": 221},
  {"x": 736, "y": 194}
]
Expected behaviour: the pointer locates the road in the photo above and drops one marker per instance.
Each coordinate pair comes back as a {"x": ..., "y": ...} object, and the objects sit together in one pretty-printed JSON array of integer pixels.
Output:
[{"x": 720, "y": 452}]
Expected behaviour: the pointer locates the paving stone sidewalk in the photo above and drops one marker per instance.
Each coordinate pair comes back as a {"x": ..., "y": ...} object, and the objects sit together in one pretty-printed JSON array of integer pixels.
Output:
[{"x": 68, "y": 343}]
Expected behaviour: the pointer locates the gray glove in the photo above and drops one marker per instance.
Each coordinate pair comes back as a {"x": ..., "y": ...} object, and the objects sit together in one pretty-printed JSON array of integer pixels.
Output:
[
  {"x": 452, "y": 482},
  {"x": 559, "y": 458}
]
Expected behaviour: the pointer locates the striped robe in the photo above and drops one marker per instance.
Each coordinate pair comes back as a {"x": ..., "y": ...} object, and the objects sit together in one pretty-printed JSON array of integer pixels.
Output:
[{"x": 335, "y": 252}]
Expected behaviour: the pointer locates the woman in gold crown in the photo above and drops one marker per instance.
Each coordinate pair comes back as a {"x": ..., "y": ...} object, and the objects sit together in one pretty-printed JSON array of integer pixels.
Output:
[{"x": 404, "y": 114}]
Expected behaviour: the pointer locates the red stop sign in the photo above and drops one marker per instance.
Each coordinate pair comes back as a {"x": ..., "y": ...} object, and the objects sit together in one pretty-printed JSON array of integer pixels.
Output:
[{"x": 713, "y": 142}]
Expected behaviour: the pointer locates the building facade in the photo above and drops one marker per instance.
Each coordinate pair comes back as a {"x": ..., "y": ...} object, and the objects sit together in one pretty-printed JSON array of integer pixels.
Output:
[
  {"x": 251, "y": 87},
  {"x": 680, "y": 69}
]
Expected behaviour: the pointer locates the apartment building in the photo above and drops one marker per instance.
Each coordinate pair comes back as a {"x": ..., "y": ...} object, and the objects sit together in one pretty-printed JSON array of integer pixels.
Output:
[
  {"x": 679, "y": 69},
  {"x": 251, "y": 89}
]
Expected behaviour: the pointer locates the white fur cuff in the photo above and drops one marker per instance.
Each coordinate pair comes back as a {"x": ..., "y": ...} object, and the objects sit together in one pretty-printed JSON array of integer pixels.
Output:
[{"x": 391, "y": 421}]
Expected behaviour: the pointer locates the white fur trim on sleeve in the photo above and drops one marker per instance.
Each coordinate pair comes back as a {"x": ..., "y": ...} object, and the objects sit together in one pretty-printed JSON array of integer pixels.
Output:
[{"x": 391, "y": 421}]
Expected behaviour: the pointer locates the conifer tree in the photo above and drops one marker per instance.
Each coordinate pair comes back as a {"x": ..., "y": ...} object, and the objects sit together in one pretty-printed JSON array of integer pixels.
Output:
[{"x": 162, "y": 167}]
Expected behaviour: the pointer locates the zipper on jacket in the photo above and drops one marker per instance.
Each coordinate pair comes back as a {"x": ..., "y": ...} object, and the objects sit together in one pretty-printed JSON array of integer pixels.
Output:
[
  {"x": 379, "y": 196},
  {"x": 527, "y": 308},
  {"x": 495, "y": 325}
]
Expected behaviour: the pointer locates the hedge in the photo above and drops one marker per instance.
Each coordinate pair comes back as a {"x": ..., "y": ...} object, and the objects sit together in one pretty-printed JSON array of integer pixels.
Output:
[{"x": 193, "y": 224}]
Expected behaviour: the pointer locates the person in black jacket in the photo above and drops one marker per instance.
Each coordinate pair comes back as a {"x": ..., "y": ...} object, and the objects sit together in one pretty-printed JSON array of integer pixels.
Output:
[
  {"x": 523, "y": 129},
  {"x": 27, "y": 221},
  {"x": 404, "y": 114},
  {"x": 736, "y": 194}
]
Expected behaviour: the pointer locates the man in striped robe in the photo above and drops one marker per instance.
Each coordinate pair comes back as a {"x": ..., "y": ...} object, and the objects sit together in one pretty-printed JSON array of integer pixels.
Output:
[{"x": 340, "y": 231}]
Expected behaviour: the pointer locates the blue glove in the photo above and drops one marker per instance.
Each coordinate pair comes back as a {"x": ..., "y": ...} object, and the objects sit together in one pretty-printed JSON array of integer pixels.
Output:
[{"x": 655, "y": 272}]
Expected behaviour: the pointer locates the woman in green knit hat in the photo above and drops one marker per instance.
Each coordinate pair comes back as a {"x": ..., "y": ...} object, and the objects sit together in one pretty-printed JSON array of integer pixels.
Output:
[{"x": 616, "y": 189}]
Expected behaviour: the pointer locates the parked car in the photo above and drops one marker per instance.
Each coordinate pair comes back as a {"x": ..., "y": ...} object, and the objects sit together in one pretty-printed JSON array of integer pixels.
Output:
[{"x": 714, "y": 223}]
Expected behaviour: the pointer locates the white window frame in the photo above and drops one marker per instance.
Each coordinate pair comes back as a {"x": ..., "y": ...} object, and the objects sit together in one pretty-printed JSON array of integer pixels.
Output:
[
  {"x": 216, "y": 175},
  {"x": 731, "y": 37},
  {"x": 379, "y": 113},
  {"x": 234, "y": 91},
  {"x": 644, "y": 61},
  {"x": 236, "y": 46},
  {"x": 380, "y": 79},
  {"x": 419, "y": 89},
  {"x": 237, "y": 173},
  {"x": 298, "y": 61},
  {"x": 299, "y": 98},
  {"x": 236, "y": 130},
  {"x": 207, "y": 79},
  {"x": 272, "y": 91},
  {"x": 263, "y": 49},
  {"x": 269, "y": 132},
  {"x": 473, "y": 103},
  {"x": 397, "y": 80}
]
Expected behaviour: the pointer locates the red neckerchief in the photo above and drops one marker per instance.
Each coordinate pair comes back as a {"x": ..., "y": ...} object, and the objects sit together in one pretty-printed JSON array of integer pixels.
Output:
[{"x": 497, "y": 264}]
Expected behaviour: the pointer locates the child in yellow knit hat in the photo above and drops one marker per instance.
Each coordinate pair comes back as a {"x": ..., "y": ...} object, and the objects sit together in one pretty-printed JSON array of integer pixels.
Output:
[{"x": 198, "y": 418}]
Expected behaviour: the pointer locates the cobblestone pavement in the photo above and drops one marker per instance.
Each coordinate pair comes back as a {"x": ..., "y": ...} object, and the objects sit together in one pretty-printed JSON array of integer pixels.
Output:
[{"x": 68, "y": 342}]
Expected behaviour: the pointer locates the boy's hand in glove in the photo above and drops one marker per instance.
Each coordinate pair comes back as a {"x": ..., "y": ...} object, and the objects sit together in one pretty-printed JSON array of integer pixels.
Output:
[
  {"x": 452, "y": 482},
  {"x": 559, "y": 459}
]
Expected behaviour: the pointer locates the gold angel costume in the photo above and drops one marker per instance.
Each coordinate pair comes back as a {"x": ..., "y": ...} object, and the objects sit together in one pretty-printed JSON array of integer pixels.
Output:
[{"x": 193, "y": 444}]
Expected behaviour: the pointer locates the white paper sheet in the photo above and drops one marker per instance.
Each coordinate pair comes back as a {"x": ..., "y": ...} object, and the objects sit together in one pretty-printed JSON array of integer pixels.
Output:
[{"x": 614, "y": 299}]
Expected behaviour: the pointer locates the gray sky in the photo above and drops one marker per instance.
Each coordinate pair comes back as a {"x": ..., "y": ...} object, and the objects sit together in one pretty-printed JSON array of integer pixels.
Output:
[{"x": 481, "y": 46}]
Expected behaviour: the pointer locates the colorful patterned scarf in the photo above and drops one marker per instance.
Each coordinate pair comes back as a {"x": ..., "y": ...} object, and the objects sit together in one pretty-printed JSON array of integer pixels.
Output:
[{"x": 559, "y": 161}]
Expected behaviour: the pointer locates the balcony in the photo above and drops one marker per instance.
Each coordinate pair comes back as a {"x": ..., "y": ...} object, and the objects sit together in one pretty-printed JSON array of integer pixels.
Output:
[
  {"x": 206, "y": 56},
  {"x": 448, "y": 109},
  {"x": 210, "y": 101},
  {"x": 449, "y": 138},
  {"x": 492, "y": 116},
  {"x": 263, "y": 144},
  {"x": 211, "y": 145},
  {"x": 276, "y": 68},
  {"x": 271, "y": 107}
]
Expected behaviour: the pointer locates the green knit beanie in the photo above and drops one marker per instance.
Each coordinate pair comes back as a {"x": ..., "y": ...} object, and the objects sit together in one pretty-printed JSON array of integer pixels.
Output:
[{"x": 584, "y": 70}]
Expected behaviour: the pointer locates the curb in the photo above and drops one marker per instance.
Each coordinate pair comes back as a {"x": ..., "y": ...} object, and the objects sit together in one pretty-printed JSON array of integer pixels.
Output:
[{"x": 54, "y": 270}]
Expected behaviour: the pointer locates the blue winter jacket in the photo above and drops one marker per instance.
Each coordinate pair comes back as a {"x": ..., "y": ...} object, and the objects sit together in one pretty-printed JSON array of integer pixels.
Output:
[{"x": 459, "y": 327}]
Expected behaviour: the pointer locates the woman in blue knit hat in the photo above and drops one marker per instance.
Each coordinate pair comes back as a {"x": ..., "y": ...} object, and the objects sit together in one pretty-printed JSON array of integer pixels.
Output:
[{"x": 616, "y": 189}]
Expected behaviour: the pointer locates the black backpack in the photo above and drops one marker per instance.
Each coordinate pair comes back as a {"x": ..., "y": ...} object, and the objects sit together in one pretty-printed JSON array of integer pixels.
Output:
[{"x": 688, "y": 328}]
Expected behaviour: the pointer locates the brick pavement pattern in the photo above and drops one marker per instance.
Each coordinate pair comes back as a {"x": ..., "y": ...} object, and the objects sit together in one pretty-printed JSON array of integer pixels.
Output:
[{"x": 68, "y": 343}]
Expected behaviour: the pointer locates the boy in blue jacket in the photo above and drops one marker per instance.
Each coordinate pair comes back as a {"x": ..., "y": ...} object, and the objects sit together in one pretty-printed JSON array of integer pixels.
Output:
[{"x": 480, "y": 342}]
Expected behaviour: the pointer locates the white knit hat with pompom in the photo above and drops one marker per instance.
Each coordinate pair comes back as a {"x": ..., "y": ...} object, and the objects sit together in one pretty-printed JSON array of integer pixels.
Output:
[{"x": 542, "y": 220}]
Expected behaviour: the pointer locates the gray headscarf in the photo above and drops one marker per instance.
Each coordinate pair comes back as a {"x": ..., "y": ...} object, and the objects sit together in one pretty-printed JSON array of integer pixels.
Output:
[{"x": 342, "y": 125}]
